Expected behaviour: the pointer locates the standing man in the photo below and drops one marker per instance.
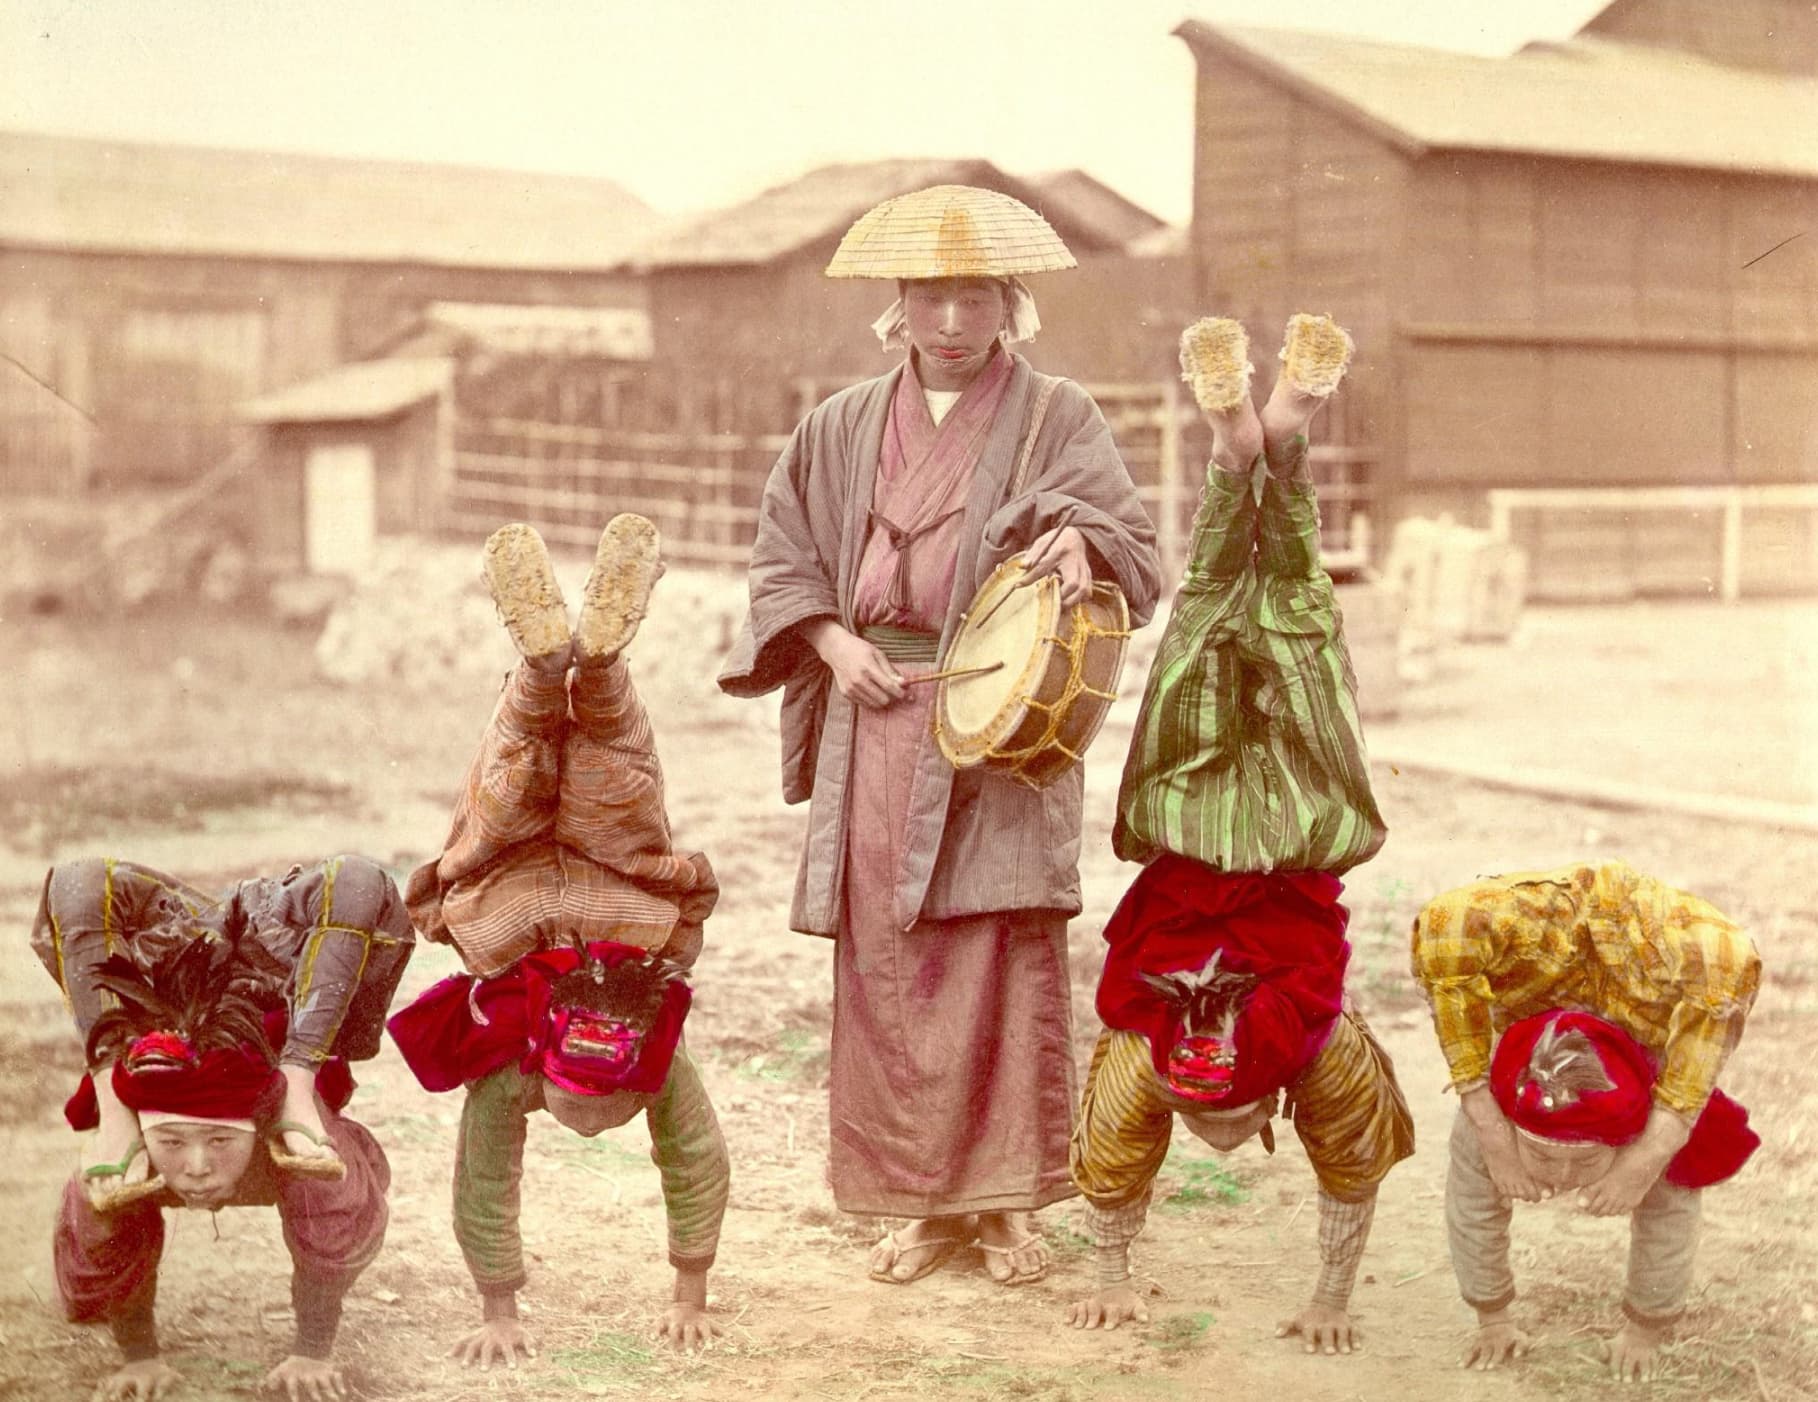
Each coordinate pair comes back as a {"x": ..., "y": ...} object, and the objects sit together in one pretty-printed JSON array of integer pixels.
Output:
[{"x": 947, "y": 895}]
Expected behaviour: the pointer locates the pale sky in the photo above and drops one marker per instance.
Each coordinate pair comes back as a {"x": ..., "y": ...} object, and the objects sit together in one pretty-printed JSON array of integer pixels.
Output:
[{"x": 690, "y": 104}]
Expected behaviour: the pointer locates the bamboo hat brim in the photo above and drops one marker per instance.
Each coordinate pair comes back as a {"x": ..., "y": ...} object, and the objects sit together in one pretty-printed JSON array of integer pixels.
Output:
[{"x": 949, "y": 231}]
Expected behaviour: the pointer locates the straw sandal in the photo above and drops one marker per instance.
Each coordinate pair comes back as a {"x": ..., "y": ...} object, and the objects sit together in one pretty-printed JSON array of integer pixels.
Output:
[
  {"x": 943, "y": 1248},
  {"x": 1215, "y": 363},
  {"x": 1315, "y": 354},
  {"x": 616, "y": 596},
  {"x": 113, "y": 1199},
  {"x": 325, "y": 1166},
  {"x": 1017, "y": 1277},
  {"x": 515, "y": 565}
]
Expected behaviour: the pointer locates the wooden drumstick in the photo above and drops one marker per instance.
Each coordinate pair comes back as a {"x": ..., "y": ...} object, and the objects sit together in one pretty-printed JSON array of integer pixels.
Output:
[
  {"x": 1066, "y": 519},
  {"x": 953, "y": 672}
]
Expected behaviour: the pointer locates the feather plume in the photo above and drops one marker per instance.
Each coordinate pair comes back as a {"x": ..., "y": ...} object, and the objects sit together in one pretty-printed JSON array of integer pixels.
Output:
[
  {"x": 207, "y": 990},
  {"x": 1208, "y": 999},
  {"x": 1564, "y": 1066}
]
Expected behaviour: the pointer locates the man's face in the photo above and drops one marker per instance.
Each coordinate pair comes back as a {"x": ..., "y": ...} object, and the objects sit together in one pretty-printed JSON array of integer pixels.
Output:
[
  {"x": 953, "y": 322},
  {"x": 588, "y": 1115},
  {"x": 1224, "y": 1130},
  {"x": 1561, "y": 1166},
  {"x": 201, "y": 1163}
]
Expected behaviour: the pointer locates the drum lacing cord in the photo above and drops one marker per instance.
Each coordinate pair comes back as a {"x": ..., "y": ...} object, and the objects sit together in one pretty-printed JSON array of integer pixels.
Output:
[{"x": 1084, "y": 631}]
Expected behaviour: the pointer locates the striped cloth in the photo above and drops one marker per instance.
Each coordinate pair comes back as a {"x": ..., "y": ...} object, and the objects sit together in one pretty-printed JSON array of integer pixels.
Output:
[
  {"x": 560, "y": 833},
  {"x": 685, "y": 1143},
  {"x": 1248, "y": 753},
  {"x": 1668, "y": 968},
  {"x": 1346, "y": 1107}
]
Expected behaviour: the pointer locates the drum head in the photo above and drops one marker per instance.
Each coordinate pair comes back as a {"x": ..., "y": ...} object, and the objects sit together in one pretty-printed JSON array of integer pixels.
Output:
[{"x": 975, "y": 714}]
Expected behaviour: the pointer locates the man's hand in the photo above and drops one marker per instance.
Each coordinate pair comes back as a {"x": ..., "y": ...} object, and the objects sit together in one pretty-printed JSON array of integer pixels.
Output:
[
  {"x": 301, "y": 1379},
  {"x": 497, "y": 1339},
  {"x": 1060, "y": 552},
  {"x": 137, "y": 1382},
  {"x": 860, "y": 671},
  {"x": 1496, "y": 1141},
  {"x": 1634, "y": 1354},
  {"x": 687, "y": 1326},
  {"x": 1108, "y": 1307},
  {"x": 1325, "y": 1329},
  {"x": 1496, "y": 1342}
]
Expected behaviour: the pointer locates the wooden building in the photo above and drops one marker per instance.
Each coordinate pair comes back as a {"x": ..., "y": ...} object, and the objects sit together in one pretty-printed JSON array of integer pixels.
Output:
[
  {"x": 741, "y": 292},
  {"x": 147, "y": 290},
  {"x": 1583, "y": 279}
]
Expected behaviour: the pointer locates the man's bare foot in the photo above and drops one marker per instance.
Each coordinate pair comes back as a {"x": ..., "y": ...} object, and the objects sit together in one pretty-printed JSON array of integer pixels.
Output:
[
  {"x": 913, "y": 1251},
  {"x": 1634, "y": 1352},
  {"x": 144, "y": 1380},
  {"x": 1015, "y": 1253},
  {"x": 1315, "y": 356}
]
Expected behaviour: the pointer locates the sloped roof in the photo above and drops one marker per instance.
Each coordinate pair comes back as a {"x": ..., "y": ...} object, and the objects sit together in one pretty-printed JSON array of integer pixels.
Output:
[
  {"x": 1088, "y": 199},
  {"x": 824, "y": 203},
  {"x": 1587, "y": 99},
  {"x": 120, "y": 196},
  {"x": 356, "y": 393}
]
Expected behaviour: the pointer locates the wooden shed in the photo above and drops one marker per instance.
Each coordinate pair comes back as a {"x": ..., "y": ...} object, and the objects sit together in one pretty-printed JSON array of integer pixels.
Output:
[
  {"x": 1584, "y": 278},
  {"x": 147, "y": 290}
]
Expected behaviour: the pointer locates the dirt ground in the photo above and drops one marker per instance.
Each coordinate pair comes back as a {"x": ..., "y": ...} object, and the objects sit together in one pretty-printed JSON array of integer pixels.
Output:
[{"x": 209, "y": 744}]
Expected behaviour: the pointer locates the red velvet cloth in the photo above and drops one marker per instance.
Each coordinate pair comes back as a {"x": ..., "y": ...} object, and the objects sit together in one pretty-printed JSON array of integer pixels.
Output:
[
  {"x": 1721, "y": 1140},
  {"x": 241, "y": 1084},
  {"x": 1286, "y": 928},
  {"x": 447, "y": 1046}
]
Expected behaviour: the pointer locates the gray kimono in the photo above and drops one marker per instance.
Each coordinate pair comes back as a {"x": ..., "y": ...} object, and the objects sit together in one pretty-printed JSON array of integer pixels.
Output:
[{"x": 977, "y": 842}]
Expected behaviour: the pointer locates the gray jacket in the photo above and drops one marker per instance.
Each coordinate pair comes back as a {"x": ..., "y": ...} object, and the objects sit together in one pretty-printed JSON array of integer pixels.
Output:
[{"x": 976, "y": 842}]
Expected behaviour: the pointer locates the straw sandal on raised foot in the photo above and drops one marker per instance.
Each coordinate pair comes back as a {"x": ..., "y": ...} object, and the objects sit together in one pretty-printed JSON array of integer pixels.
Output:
[
  {"x": 325, "y": 1166},
  {"x": 939, "y": 1249},
  {"x": 1016, "y": 1277},
  {"x": 125, "y": 1194},
  {"x": 1315, "y": 354},
  {"x": 1215, "y": 362},
  {"x": 626, "y": 568},
  {"x": 515, "y": 565}
]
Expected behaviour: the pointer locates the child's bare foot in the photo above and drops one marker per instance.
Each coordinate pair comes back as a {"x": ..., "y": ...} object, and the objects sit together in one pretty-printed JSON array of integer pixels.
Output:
[
  {"x": 115, "y": 1168},
  {"x": 299, "y": 1142},
  {"x": 913, "y": 1251},
  {"x": 1215, "y": 362},
  {"x": 1015, "y": 1253}
]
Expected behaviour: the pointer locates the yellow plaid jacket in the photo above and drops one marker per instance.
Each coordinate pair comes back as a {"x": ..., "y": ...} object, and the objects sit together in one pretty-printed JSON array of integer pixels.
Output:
[{"x": 1667, "y": 967}]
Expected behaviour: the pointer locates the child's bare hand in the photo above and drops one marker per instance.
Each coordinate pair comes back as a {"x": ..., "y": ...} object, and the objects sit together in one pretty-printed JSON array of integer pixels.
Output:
[
  {"x": 1634, "y": 1354},
  {"x": 1108, "y": 1308},
  {"x": 139, "y": 1381},
  {"x": 1493, "y": 1345},
  {"x": 1325, "y": 1329},
  {"x": 499, "y": 1340},
  {"x": 301, "y": 1379},
  {"x": 687, "y": 1327}
]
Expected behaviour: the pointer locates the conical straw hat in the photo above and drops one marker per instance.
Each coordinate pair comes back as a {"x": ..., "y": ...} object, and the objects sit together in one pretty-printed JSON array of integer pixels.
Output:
[{"x": 949, "y": 231}]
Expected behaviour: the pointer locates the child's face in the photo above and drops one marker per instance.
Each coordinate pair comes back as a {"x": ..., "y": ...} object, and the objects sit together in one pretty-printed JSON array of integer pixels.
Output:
[
  {"x": 588, "y": 1115},
  {"x": 1224, "y": 1130},
  {"x": 201, "y": 1163},
  {"x": 1563, "y": 1167}
]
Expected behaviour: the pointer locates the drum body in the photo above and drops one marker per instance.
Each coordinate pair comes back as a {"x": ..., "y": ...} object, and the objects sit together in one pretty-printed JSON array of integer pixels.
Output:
[{"x": 1052, "y": 677}]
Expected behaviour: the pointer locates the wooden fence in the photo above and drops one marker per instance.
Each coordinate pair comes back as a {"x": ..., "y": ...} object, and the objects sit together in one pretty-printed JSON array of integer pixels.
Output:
[{"x": 702, "y": 487}]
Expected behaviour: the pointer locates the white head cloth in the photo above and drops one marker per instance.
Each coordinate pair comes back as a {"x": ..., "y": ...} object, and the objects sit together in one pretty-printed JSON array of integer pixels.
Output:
[
  {"x": 150, "y": 1118},
  {"x": 1021, "y": 319}
]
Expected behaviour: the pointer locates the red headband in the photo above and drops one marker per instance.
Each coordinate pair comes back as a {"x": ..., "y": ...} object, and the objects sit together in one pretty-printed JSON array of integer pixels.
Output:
[
  {"x": 1721, "y": 1140},
  {"x": 1285, "y": 929}
]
